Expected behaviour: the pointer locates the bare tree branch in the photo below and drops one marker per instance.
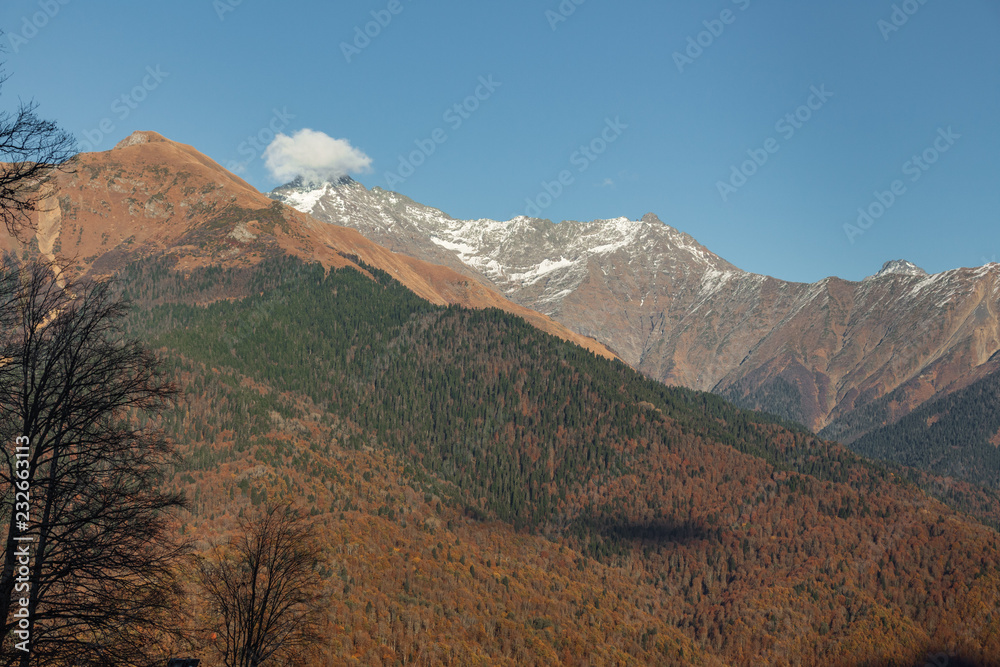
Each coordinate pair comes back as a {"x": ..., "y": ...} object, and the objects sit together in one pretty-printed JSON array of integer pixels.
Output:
[
  {"x": 265, "y": 589},
  {"x": 31, "y": 151},
  {"x": 102, "y": 584}
]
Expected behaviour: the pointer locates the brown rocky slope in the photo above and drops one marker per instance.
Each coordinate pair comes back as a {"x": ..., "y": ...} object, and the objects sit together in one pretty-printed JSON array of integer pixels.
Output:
[{"x": 150, "y": 196}]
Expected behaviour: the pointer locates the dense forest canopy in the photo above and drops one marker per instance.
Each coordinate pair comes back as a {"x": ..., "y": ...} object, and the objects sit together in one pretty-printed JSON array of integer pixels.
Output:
[{"x": 746, "y": 535}]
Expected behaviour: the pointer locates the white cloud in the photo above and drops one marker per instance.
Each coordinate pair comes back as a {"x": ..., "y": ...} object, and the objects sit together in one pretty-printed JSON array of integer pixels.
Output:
[{"x": 315, "y": 156}]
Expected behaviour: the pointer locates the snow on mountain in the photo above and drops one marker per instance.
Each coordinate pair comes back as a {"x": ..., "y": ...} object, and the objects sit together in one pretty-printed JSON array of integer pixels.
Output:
[
  {"x": 667, "y": 305},
  {"x": 900, "y": 267},
  {"x": 514, "y": 254}
]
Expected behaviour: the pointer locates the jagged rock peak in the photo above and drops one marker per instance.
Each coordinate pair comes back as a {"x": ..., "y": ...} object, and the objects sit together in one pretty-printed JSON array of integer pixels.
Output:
[
  {"x": 140, "y": 137},
  {"x": 900, "y": 267},
  {"x": 299, "y": 183}
]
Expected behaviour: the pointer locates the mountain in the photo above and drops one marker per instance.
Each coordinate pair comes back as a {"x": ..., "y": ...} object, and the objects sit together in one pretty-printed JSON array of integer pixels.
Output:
[
  {"x": 955, "y": 436},
  {"x": 819, "y": 353},
  {"x": 495, "y": 494},
  {"x": 152, "y": 197},
  {"x": 900, "y": 267},
  {"x": 490, "y": 493}
]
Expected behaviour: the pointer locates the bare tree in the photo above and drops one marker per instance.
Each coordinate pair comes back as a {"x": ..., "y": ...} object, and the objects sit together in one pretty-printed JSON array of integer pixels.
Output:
[
  {"x": 265, "y": 589},
  {"x": 31, "y": 150},
  {"x": 73, "y": 387}
]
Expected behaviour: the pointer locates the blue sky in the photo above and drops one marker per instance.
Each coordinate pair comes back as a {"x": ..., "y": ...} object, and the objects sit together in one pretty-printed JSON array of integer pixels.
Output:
[{"x": 662, "y": 130}]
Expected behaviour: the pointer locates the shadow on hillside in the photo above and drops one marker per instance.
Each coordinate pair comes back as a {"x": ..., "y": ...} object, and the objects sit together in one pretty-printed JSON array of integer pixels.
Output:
[
  {"x": 934, "y": 659},
  {"x": 659, "y": 532}
]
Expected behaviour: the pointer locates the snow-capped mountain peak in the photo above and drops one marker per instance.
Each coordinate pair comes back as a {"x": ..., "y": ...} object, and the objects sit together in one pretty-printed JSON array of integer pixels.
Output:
[
  {"x": 900, "y": 267},
  {"x": 522, "y": 254},
  {"x": 675, "y": 310}
]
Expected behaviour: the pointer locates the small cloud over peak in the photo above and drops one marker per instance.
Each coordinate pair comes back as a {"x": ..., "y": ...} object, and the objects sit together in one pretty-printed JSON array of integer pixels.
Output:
[{"x": 313, "y": 155}]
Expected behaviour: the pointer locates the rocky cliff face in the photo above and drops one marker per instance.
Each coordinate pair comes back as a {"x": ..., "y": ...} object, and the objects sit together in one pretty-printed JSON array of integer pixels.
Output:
[{"x": 817, "y": 353}]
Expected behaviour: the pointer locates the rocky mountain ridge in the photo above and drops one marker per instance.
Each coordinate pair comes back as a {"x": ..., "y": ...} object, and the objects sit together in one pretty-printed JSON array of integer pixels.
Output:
[
  {"x": 152, "y": 197},
  {"x": 816, "y": 353}
]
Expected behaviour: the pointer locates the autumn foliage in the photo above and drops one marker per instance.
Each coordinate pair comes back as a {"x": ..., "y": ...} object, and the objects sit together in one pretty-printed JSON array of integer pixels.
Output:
[{"x": 488, "y": 494}]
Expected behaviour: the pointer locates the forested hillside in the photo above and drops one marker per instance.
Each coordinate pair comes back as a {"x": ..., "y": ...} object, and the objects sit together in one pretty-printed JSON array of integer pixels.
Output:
[
  {"x": 956, "y": 436},
  {"x": 818, "y": 353},
  {"x": 706, "y": 528}
]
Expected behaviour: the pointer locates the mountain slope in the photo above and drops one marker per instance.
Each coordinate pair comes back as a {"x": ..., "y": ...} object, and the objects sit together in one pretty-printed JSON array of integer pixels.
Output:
[
  {"x": 151, "y": 197},
  {"x": 955, "y": 436},
  {"x": 493, "y": 494},
  {"x": 813, "y": 353},
  {"x": 756, "y": 541}
]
